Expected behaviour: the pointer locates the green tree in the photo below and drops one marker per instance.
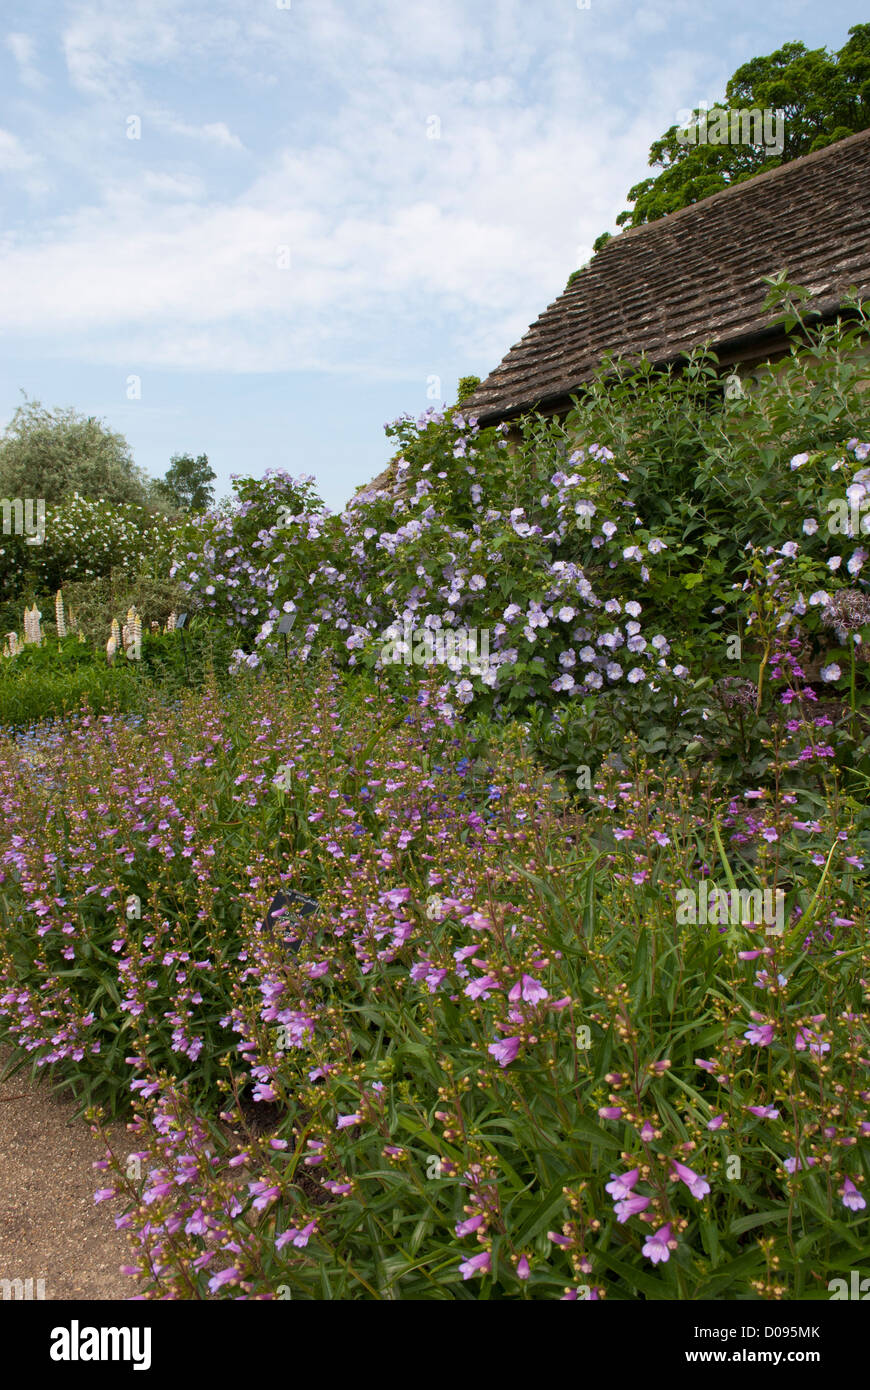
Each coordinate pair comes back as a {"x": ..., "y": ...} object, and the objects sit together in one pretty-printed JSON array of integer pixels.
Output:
[
  {"x": 52, "y": 454},
  {"x": 823, "y": 96},
  {"x": 466, "y": 388},
  {"x": 187, "y": 484}
]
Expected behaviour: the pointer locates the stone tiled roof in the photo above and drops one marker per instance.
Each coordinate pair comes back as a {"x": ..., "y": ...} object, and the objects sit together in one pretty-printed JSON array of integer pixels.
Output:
[{"x": 695, "y": 277}]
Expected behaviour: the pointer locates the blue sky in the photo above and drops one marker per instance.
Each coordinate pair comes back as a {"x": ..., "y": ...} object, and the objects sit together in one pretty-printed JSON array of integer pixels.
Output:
[{"x": 330, "y": 203}]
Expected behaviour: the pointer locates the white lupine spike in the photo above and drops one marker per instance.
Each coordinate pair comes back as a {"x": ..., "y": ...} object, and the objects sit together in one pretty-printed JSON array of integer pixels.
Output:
[
  {"x": 133, "y": 647},
  {"x": 59, "y": 614},
  {"x": 170, "y": 622},
  {"x": 32, "y": 630}
]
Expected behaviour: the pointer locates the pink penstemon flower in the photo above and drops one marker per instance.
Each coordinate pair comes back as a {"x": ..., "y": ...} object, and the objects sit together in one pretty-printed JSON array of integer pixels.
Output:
[
  {"x": 528, "y": 989},
  {"x": 851, "y": 1196},
  {"x": 630, "y": 1206},
  {"x": 658, "y": 1246},
  {"x": 505, "y": 1051},
  {"x": 621, "y": 1184},
  {"x": 760, "y": 1033},
  {"x": 697, "y": 1185},
  {"x": 476, "y": 1264}
]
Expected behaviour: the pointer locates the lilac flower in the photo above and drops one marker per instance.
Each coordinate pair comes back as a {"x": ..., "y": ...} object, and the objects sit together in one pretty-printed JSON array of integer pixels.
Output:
[
  {"x": 794, "y": 1165},
  {"x": 697, "y": 1185},
  {"x": 532, "y": 992},
  {"x": 760, "y": 1033},
  {"x": 476, "y": 1264},
  {"x": 505, "y": 1051},
  {"x": 622, "y": 1183},
  {"x": 630, "y": 1206},
  {"x": 465, "y": 1228},
  {"x": 656, "y": 1246},
  {"x": 851, "y": 1196}
]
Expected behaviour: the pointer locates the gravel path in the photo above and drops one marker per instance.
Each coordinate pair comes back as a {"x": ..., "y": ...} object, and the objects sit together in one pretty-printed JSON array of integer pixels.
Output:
[{"x": 50, "y": 1227}]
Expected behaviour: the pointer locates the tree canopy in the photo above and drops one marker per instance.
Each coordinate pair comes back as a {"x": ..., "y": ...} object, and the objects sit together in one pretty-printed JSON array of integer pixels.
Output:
[
  {"x": 822, "y": 97},
  {"x": 52, "y": 454},
  {"x": 187, "y": 484}
]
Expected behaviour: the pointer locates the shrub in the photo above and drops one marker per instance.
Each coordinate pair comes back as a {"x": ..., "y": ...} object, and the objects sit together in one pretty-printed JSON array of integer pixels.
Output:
[{"x": 497, "y": 1062}]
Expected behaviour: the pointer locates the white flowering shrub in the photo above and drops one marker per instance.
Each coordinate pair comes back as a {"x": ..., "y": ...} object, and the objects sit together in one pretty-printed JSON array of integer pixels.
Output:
[{"x": 86, "y": 540}]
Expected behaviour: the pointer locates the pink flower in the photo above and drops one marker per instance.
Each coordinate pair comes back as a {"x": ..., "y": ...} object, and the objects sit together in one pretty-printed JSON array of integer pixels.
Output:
[
  {"x": 647, "y": 1133},
  {"x": 477, "y": 1264},
  {"x": 265, "y": 1194},
  {"x": 345, "y": 1121},
  {"x": 697, "y": 1185},
  {"x": 622, "y": 1184},
  {"x": 505, "y": 1051},
  {"x": 529, "y": 989},
  {"x": 610, "y": 1112},
  {"x": 464, "y": 1228},
  {"x": 794, "y": 1165},
  {"x": 631, "y": 1206},
  {"x": 761, "y": 1033},
  {"x": 806, "y": 1038},
  {"x": 851, "y": 1196},
  {"x": 479, "y": 987},
  {"x": 523, "y": 1269},
  {"x": 656, "y": 1247},
  {"x": 716, "y": 1122},
  {"x": 764, "y": 1112},
  {"x": 558, "y": 1239}
]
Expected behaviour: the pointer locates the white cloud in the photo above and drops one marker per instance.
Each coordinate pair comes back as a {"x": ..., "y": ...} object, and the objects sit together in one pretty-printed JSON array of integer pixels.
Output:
[
  {"x": 399, "y": 245},
  {"x": 13, "y": 156},
  {"x": 23, "y": 48}
]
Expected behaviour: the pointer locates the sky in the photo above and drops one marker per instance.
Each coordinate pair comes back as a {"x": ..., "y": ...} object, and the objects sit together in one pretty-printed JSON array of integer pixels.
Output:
[{"x": 260, "y": 229}]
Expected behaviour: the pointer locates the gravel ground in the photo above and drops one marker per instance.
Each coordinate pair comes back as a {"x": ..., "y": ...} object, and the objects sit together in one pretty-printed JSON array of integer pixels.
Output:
[{"x": 50, "y": 1226}]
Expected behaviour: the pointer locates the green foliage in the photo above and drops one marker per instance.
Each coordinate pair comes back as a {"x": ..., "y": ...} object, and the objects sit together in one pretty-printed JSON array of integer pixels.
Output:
[
  {"x": 48, "y": 684},
  {"x": 187, "y": 484},
  {"x": 52, "y": 679},
  {"x": 87, "y": 540},
  {"x": 497, "y": 1006},
  {"x": 95, "y": 602},
  {"x": 53, "y": 454},
  {"x": 823, "y": 96},
  {"x": 467, "y": 387}
]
